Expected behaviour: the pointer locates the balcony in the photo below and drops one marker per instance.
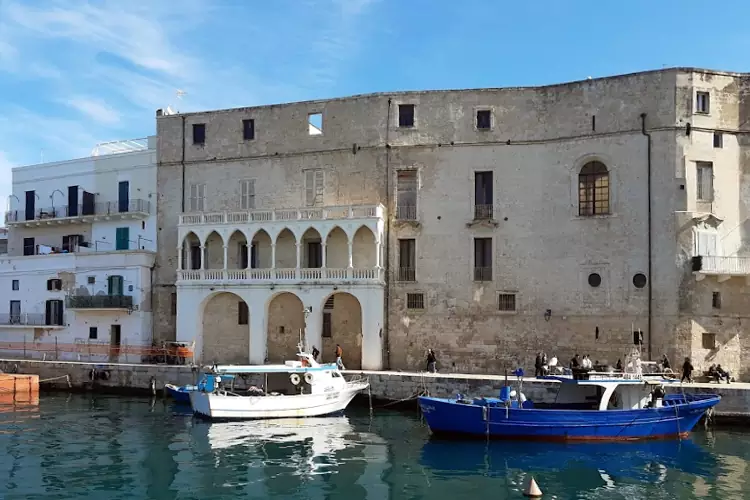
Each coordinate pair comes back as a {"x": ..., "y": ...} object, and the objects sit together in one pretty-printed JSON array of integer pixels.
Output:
[
  {"x": 484, "y": 212},
  {"x": 406, "y": 213},
  {"x": 80, "y": 214},
  {"x": 721, "y": 267},
  {"x": 284, "y": 215},
  {"x": 281, "y": 276},
  {"x": 406, "y": 274},
  {"x": 482, "y": 274},
  {"x": 99, "y": 302},
  {"x": 28, "y": 320}
]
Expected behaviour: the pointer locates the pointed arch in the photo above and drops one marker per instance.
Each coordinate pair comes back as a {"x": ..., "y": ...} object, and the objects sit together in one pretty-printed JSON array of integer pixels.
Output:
[
  {"x": 364, "y": 248},
  {"x": 337, "y": 248}
]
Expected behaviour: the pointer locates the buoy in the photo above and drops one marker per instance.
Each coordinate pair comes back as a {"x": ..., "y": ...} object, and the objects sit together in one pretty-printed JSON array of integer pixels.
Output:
[{"x": 532, "y": 489}]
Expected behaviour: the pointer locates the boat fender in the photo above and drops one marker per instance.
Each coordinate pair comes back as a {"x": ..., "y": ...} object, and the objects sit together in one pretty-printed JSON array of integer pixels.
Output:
[
  {"x": 522, "y": 398},
  {"x": 294, "y": 379},
  {"x": 309, "y": 378}
]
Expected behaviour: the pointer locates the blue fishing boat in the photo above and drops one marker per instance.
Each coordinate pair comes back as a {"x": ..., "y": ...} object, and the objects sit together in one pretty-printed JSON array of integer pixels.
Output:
[
  {"x": 587, "y": 407},
  {"x": 180, "y": 394}
]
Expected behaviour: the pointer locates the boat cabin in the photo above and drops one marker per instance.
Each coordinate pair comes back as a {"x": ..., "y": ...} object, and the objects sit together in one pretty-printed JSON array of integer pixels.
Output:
[{"x": 606, "y": 394}]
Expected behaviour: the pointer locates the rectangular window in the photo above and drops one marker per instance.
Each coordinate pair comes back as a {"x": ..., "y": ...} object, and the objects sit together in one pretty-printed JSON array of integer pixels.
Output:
[
  {"x": 406, "y": 198},
  {"x": 243, "y": 313},
  {"x": 314, "y": 255},
  {"x": 197, "y": 197},
  {"x": 484, "y": 119},
  {"x": 15, "y": 285},
  {"x": 247, "y": 194},
  {"x": 716, "y": 300},
  {"x": 248, "y": 129},
  {"x": 483, "y": 195},
  {"x": 123, "y": 197},
  {"x": 407, "y": 260},
  {"x": 29, "y": 246},
  {"x": 54, "y": 284},
  {"x": 706, "y": 243},
  {"x": 702, "y": 102},
  {"x": 415, "y": 301},
  {"x": 718, "y": 140},
  {"x": 30, "y": 205},
  {"x": 72, "y": 201},
  {"x": 115, "y": 337},
  {"x": 93, "y": 333},
  {"x": 506, "y": 302},
  {"x": 314, "y": 187},
  {"x": 91, "y": 280},
  {"x": 70, "y": 243},
  {"x": 705, "y": 179},
  {"x": 709, "y": 341},
  {"x": 406, "y": 115},
  {"x": 482, "y": 259},
  {"x": 315, "y": 124},
  {"x": 15, "y": 312},
  {"x": 327, "y": 324},
  {"x": 53, "y": 313},
  {"x": 114, "y": 285},
  {"x": 122, "y": 238},
  {"x": 199, "y": 133}
]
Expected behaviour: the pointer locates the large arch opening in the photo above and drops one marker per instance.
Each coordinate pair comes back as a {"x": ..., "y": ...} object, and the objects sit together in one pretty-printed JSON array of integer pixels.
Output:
[
  {"x": 364, "y": 250},
  {"x": 286, "y": 250},
  {"x": 286, "y": 318},
  {"x": 214, "y": 251},
  {"x": 226, "y": 330},
  {"x": 237, "y": 252},
  {"x": 261, "y": 251},
  {"x": 337, "y": 249},
  {"x": 342, "y": 324},
  {"x": 312, "y": 250},
  {"x": 191, "y": 251}
]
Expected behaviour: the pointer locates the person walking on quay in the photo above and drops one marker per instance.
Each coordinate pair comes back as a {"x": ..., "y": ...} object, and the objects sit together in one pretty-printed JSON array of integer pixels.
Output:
[
  {"x": 687, "y": 371},
  {"x": 538, "y": 365},
  {"x": 315, "y": 353},
  {"x": 339, "y": 355},
  {"x": 431, "y": 361}
]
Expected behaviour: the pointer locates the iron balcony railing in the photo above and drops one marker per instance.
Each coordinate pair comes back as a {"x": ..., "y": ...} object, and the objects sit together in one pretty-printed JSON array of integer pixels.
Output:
[
  {"x": 406, "y": 274},
  {"x": 406, "y": 213},
  {"x": 482, "y": 274},
  {"x": 99, "y": 302},
  {"x": 29, "y": 319},
  {"x": 68, "y": 211},
  {"x": 483, "y": 212},
  {"x": 730, "y": 266}
]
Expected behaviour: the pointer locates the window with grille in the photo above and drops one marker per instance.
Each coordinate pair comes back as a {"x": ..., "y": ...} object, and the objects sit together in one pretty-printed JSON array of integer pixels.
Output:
[
  {"x": 197, "y": 197},
  {"x": 314, "y": 188},
  {"x": 407, "y": 259},
  {"x": 328, "y": 318},
  {"x": 506, "y": 302},
  {"x": 593, "y": 189},
  {"x": 702, "y": 102},
  {"x": 705, "y": 180},
  {"x": 406, "y": 198},
  {"x": 483, "y": 196},
  {"x": 709, "y": 340},
  {"x": 415, "y": 301},
  {"x": 482, "y": 259},
  {"x": 247, "y": 194}
]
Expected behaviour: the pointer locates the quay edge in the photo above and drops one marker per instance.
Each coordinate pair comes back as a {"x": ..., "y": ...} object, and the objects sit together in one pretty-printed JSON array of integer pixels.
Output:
[{"x": 388, "y": 389}]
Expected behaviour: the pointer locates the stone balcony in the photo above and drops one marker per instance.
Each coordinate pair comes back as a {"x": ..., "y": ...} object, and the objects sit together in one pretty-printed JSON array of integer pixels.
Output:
[
  {"x": 80, "y": 214},
  {"x": 723, "y": 268},
  {"x": 335, "y": 244}
]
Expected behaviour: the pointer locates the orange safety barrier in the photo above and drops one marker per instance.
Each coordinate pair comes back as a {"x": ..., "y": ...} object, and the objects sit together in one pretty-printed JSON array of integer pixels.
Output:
[{"x": 98, "y": 349}]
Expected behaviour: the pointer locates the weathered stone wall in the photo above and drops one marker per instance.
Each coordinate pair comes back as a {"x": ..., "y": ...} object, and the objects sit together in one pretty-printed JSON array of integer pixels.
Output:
[
  {"x": 226, "y": 341},
  {"x": 542, "y": 250},
  {"x": 285, "y": 319}
]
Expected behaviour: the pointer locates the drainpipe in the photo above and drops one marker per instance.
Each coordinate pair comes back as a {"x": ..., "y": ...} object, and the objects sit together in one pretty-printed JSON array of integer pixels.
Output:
[
  {"x": 182, "y": 163},
  {"x": 387, "y": 321},
  {"x": 648, "y": 192}
]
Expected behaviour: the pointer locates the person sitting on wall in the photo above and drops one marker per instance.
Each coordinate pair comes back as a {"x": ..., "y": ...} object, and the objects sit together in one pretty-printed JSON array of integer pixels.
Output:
[
  {"x": 576, "y": 368},
  {"x": 431, "y": 361},
  {"x": 618, "y": 367},
  {"x": 722, "y": 374}
]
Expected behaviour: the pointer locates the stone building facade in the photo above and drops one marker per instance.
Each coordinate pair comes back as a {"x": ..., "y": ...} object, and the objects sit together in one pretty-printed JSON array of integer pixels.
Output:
[{"x": 486, "y": 224}]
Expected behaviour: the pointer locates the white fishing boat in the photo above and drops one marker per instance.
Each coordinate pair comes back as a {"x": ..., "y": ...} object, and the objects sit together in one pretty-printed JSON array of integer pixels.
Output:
[{"x": 300, "y": 388}]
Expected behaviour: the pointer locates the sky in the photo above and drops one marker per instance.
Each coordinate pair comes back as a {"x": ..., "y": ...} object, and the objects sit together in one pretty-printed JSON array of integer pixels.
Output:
[{"x": 76, "y": 73}]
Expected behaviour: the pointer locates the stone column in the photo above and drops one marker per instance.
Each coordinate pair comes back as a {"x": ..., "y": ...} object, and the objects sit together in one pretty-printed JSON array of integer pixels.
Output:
[
  {"x": 371, "y": 301},
  {"x": 179, "y": 258},
  {"x": 258, "y": 334},
  {"x": 273, "y": 260},
  {"x": 323, "y": 254},
  {"x": 350, "y": 270},
  {"x": 299, "y": 260},
  {"x": 377, "y": 253},
  {"x": 226, "y": 256},
  {"x": 314, "y": 325},
  {"x": 203, "y": 257},
  {"x": 249, "y": 247}
]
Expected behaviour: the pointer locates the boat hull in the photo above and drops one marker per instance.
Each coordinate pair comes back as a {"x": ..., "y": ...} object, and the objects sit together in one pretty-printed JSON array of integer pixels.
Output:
[
  {"x": 677, "y": 418},
  {"x": 179, "y": 394},
  {"x": 214, "y": 406}
]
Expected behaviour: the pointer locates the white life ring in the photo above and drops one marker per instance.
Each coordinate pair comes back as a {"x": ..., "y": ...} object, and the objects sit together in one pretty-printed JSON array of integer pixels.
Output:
[
  {"x": 294, "y": 379},
  {"x": 309, "y": 378}
]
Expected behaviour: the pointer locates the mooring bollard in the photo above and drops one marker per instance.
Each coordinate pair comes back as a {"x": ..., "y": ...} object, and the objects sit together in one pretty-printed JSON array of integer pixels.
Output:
[{"x": 532, "y": 489}]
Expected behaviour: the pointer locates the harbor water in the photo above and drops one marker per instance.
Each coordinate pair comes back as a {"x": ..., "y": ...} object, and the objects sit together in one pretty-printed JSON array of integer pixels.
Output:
[{"x": 106, "y": 447}]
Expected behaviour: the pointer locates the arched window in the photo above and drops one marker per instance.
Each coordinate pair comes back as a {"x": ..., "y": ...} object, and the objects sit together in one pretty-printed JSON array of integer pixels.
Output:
[{"x": 593, "y": 189}]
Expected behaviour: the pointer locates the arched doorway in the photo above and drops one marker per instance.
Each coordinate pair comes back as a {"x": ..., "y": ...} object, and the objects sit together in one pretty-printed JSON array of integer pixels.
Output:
[
  {"x": 342, "y": 324},
  {"x": 285, "y": 320},
  {"x": 226, "y": 330}
]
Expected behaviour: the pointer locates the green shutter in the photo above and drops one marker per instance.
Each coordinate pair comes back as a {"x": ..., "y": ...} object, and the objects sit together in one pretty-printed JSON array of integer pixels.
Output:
[
  {"x": 114, "y": 285},
  {"x": 122, "y": 238}
]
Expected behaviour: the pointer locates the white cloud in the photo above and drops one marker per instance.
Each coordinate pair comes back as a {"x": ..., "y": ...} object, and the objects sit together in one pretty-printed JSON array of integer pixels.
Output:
[{"x": 94, "y": 108}]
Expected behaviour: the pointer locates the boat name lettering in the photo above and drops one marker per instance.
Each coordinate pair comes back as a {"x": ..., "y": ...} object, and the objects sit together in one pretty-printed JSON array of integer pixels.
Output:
[
  {"x": 331, "y": 396},
  {"x": 328, "y": 389}
]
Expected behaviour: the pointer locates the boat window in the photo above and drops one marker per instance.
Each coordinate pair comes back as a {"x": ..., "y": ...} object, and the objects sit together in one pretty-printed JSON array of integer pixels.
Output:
[{"x": 334, "y": 374}]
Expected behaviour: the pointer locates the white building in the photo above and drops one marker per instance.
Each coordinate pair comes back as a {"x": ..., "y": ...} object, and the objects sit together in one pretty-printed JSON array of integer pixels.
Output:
[
  {"x": 81, "y": 245},
  {"x": 3, "y": 240}
]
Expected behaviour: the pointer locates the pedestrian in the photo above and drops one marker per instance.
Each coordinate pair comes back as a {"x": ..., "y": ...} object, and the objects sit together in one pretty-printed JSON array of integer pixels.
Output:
[
  {"x": 538, "y": 365},
  {"x": 339, "y": 354},
  {"x": 687, "y": 371},
  {"x": 315, "y": 353},
  {"x": 431, "y": 361}
]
